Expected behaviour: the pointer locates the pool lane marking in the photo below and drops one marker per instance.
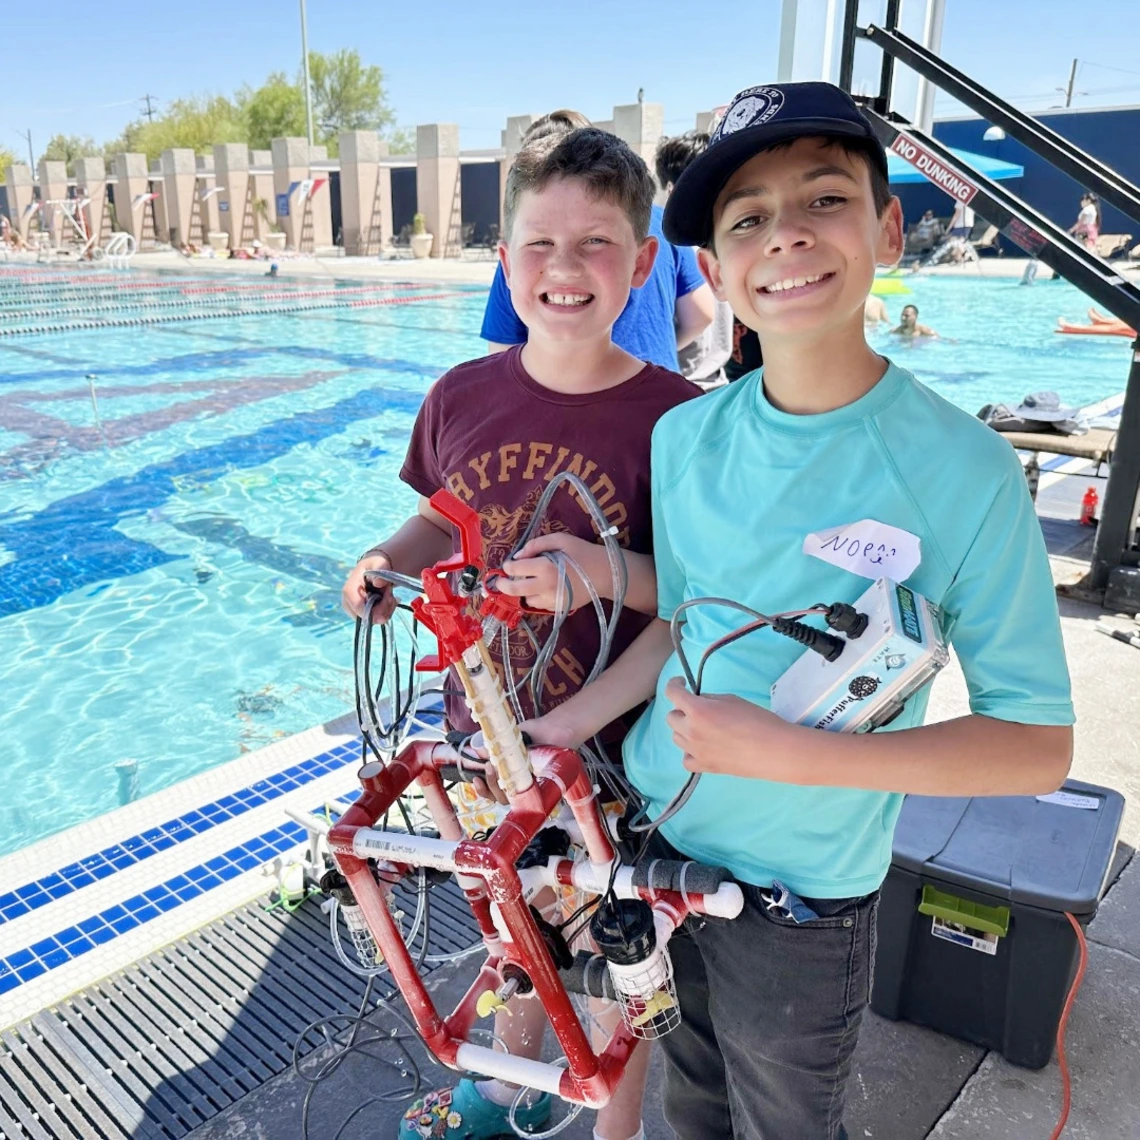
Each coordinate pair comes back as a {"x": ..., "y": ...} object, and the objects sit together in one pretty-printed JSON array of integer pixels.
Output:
[
  {"x": 268, "y": 310},
  {"x": 111, "y": 305},
  {"x": 223, "y": 358},
  {"x": 101, "y": 290},
  {"x": 54, "y": 439},
  {"x": 75, "y": 542}
]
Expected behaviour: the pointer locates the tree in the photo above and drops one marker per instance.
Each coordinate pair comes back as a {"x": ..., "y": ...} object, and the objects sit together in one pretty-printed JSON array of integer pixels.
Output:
[
  {"x": 197, "y": 122},
  {"x": 67, "y": 148},
  {"x": 347, "y": 96},
  {"x": 402, "y": 140},
  {"x": 275, "y": 110},
  {"x": 7, "y": 158}
]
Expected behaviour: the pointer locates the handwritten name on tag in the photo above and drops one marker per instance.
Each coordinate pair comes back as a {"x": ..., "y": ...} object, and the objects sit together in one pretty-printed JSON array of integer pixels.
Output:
[{"x": 868, "y": 548}]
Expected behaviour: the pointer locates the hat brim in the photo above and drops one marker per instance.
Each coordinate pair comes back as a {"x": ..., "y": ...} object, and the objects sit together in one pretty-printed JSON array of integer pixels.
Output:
[
  {"x": 1045, "y": 415},
  {"x": 688, "y": 213}
]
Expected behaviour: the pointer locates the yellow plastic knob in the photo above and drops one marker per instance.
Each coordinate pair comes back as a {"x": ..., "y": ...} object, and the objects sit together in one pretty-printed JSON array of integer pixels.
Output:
[{"x": 489, "y": 1002}]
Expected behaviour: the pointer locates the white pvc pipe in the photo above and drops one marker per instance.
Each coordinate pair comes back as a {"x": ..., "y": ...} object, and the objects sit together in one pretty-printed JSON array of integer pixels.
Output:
[
  {"x": 419, "y": 850},
  {"x": 508, "y": 1067},
  {"x": 594, "y": 878}
]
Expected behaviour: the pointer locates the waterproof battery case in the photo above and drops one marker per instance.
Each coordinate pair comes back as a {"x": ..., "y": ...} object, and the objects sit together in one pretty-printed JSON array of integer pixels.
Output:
[{"x": 867, "y": 685}]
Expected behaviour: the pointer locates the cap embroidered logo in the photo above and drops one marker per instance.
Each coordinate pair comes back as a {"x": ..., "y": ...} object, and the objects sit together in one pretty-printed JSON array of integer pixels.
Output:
[{"x": 751, "y": 108}]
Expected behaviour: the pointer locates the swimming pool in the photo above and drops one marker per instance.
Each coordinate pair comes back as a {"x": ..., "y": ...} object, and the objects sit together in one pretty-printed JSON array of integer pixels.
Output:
[{"x": 170, "y": 571}]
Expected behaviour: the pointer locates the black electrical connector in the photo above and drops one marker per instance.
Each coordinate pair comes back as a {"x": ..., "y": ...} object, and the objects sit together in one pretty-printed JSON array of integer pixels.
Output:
[
  {"x": 827, "y": 645},
  {"x": 845, "y": 618},
  {"x": 550, "y": 841}
]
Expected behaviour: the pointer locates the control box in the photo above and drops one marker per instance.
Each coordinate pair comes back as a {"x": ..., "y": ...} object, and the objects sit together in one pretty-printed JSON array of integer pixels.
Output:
[{"x": 901, "y": 650}]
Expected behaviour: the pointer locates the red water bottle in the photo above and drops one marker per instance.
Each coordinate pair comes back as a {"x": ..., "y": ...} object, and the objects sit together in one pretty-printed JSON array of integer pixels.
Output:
[{"x": 1088, "y": 507}]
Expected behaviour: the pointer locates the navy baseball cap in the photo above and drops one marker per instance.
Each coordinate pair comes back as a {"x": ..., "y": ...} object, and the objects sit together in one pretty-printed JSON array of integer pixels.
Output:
[{"x": 757, "y": 118}]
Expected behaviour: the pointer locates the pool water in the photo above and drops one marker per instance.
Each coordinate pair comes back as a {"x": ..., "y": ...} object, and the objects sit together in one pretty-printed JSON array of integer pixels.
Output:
[
  {"x": 170, "y": 571},
  {"x": 1003, "y": 341}
]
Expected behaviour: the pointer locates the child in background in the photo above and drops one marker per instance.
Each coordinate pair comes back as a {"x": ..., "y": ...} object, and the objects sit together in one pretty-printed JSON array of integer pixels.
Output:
[{"x": 704, "y": 359}]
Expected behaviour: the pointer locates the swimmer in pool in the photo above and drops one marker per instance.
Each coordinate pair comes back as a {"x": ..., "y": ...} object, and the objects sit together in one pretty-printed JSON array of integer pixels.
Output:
[{"x": 909, "y": 326}]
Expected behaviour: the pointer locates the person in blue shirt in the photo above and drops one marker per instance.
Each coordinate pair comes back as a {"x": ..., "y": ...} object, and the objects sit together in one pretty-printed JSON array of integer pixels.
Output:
[
  {"x": 665, "y": 314},
  {"x": 791, "y": 208}
]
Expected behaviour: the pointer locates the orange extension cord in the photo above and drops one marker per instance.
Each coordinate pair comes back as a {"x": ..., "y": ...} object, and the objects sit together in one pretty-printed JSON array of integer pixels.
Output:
[{"x": 1066, "y": 1089}]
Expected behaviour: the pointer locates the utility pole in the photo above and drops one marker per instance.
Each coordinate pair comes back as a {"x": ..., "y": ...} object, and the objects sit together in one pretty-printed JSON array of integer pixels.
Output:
[
  {"x": 27, "y": 135},
  {"x": 1068, "y": 90},
  {"x": 149, "y": 109},
  {"x": 308, "y": 85}
]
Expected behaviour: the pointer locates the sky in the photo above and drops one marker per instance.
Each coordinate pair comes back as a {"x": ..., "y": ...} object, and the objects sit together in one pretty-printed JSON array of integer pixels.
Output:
[{"x": 70, "y": 67}]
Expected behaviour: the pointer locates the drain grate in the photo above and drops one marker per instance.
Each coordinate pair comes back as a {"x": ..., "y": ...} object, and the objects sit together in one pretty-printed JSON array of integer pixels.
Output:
[{"x": 160, "y": 1047}]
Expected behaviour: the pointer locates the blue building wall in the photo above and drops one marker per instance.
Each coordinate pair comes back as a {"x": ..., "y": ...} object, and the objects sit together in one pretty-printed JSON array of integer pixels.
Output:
[
  {"x": 403, "y": 197},
  {"x": 1113, "y": 136},
  {"x": 479, "y": 197}
]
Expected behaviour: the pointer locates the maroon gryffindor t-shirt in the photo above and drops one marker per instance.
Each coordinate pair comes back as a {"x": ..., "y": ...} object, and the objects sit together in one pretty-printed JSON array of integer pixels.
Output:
[{"x": 493, "y": 436}]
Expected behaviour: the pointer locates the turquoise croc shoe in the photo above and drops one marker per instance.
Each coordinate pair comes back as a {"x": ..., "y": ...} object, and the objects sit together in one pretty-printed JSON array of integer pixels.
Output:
[{"x": 462, "y": 1113}]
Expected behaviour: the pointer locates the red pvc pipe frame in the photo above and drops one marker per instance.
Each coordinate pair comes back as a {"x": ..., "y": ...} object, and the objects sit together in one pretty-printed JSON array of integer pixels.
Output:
[
  {"x": 486, "y": 869},
  {"x": 590, "y": 1078}
]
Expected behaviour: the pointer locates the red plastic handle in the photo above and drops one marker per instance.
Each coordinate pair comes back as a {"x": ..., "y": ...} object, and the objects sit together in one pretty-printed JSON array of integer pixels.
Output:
[{"x": 460, "y": 515}]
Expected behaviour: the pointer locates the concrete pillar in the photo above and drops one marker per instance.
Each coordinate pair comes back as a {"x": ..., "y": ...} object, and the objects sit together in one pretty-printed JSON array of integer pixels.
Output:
[
  {"x": 365, "y": 192},
  {"x": 320, "y": 210},
  {"x": 641, "y": 125},
  {"x": 704, "y": 121},
  {"x": 130, "y": 183},
  {"x": 91, "y": 178},
  {"x": 290, "y": 169},
  {"x": 437, "y": 185},
  {"x": 206, "y": 188},
  {"x": 159, "y": 207},
  {"x": 53, "y": 187},
  {"x": 21, "y": 195},
  {"x": 178, "y": 175},
  {"x": 517, "y": 126},
  {"x": 261, "y": 174},
  {"x": 231, "y": 171}
]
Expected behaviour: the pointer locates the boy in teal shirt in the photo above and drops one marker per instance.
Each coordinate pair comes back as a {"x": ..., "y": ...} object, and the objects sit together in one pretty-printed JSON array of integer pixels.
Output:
[{"x": 791, "y": 207}]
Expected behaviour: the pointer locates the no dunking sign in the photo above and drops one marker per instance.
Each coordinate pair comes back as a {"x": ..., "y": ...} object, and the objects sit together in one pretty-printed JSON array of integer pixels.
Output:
[{"x": 926, "y": 163}]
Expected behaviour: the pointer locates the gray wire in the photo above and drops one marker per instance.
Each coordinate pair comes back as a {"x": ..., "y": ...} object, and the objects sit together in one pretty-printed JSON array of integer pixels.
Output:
[
  {"x": 618, "y": 569},
  {"x": 568, "y": 1119}
]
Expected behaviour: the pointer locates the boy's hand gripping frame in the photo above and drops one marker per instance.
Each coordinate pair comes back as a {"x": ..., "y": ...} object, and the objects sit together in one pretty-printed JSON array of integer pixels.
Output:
[{"x": 518, "y": 958}]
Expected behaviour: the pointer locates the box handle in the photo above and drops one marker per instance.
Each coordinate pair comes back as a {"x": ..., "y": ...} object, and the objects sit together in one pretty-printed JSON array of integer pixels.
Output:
[{"x": 974, "y": 916}]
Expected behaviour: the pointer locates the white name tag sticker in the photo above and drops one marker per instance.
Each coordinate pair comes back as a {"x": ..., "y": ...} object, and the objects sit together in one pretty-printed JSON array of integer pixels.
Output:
[{"x": 868, "y": 548}]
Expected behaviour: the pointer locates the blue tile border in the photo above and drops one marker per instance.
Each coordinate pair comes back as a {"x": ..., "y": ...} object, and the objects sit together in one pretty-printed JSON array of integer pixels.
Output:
[
  {"x": 137, "y": 848},
  {"x": 73, "y": 941}
]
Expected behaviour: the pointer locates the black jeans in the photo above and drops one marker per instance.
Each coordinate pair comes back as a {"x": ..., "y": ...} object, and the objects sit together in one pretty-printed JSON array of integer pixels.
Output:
[{"x": 770, "y": 1013}]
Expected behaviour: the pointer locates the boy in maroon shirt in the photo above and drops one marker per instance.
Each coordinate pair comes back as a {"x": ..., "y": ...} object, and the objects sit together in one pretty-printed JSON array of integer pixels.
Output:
[{"x": 495, "y": 431}]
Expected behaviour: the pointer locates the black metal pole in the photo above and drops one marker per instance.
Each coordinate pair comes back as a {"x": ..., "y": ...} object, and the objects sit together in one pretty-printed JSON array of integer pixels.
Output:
[
  {"x": 1026, "y": 227},
  {"x": 1086, "y": 169},
  {"x": 887, "y": 75},
  {"x": 1112, "y": 546},
  {"x": 847, "y": 51},
  {"x": 1043, "y": 239}
]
